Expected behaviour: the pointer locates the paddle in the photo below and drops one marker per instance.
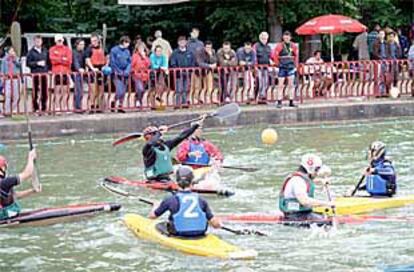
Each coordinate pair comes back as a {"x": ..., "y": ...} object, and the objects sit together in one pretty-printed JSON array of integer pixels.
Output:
[
  {"x": 224, "y": 112},
  {"x": 150, "y": 202},
  {"x": 358, "y": 185},
  {"x": 334, "y": 223}
]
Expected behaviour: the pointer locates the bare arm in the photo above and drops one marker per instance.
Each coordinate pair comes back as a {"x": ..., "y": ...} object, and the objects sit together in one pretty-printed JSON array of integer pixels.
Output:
[
  {"x": 25, "y": 193},
  {"x": 28, "y": 170},
  {"x": 215, "y": 222}
]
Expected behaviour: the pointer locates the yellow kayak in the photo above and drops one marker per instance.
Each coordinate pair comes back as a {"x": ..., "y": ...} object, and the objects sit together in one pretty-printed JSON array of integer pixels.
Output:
[
  {"x": 358, "y": 205},
  {"x": 208, "y": 246}
]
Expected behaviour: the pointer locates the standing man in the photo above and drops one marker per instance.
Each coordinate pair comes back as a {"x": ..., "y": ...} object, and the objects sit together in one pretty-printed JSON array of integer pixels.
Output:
[
  {"x": 227, "y": 60},
  {"x": 61, "y": 58},
  {"x": 361, "y": 45},
  {"x": 194, "y": 45},
  {"x": 247, "y": 59},
  {"x": 120, "y": 61},
  {"x": 165, "y": 45},
  {"x": 10, "y": 68},
  {"x": 182, "y": 58},
  {"x": 380, "y": 52},
  {"x": 297, "y": 196},
  {"x": 37, "y": 61},
  {"x": 372, "y": 37},
  {"x": 263, "y": 53},
  {"x": 190, "y": 214},
  {"x": 286, "y": 57},
  {"x": 206, "y": 59},
  {"x": 157, "y": 151},
  {"x": 9, "y": 207},
  {"x": 78, "y": 67},
  {"x": 95, "y": 59}
]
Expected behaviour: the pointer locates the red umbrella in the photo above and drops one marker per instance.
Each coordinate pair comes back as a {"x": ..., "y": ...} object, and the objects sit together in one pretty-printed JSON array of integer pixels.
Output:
[{"x": 330, "y": 24}]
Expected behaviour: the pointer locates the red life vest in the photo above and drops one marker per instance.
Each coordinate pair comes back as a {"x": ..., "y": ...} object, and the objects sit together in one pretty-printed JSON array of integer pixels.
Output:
[{"x": 98, "y": 57}]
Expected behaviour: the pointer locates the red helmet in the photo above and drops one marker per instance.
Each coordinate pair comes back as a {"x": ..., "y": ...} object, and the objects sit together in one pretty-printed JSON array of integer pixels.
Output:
[{"x": 3, "y": 165}]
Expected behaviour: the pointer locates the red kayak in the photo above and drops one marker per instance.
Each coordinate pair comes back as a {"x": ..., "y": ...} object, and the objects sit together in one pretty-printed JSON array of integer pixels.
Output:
[
  {"x": 48, "y": 216},
  {"x": 163, "y": 186},
  {"x": 277, "y": 218}
]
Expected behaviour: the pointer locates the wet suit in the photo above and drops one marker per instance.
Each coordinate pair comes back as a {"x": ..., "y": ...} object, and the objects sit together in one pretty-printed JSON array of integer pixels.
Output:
[
  {"x": 8, "y": 206},
  {"x": 157, "y": 157},
  {"x": 383, "y": 181}
]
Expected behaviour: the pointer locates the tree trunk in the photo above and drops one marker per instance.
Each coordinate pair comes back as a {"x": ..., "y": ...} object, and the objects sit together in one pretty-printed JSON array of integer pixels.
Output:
[{"x": 274, "y": 24}]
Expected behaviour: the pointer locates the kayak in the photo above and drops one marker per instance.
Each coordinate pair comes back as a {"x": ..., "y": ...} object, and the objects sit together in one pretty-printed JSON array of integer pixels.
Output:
[
  {"x": 165, "y": 186},
  {"x": 207, "y": 246},
  {"x": 359, "y": 205},
  {"x": 48, "y": 216}
]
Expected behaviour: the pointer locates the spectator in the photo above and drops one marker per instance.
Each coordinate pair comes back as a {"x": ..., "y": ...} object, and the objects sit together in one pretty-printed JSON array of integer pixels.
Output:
[
  {"x": 10, "y": 68},
  {"x": 149, "y": 41},
  {"x": 286, "y": 57},
  {"x": 207, "y": 61},
  {"x": 227, "y": 60},
  {"x": 120, "y": 61},
  {"x": 263, "y": 53},
  {"x": 78, "y": 67},
  {"x": 394, "y": 53},
  {"x": 411, "y": 64},
  {"x": 182, "y": 58},
  {"x": 316, "y": 70},
  {"x": 164, "y": 44},
  {"x": 361, "y": 45},
  {"x": 372, "y": 37},
  {"x": 247, "y": 59},
  {"x": 37, "y": 61},
  {"x": 194, "y": 44},
  {"x": 61, "y": 59},
  {"x": 138, "y": 42},
  {"x": 95, "y": 61},
  {"x": 404, "y": 43},
  {"x": 159, "y": 63},
  {"x": 380, "y": 52},
  {"x": 140, "y": 66}
]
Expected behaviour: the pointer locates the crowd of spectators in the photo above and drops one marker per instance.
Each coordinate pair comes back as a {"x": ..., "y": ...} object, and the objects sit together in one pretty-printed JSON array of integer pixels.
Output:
[{"x": 192, "y": 65}]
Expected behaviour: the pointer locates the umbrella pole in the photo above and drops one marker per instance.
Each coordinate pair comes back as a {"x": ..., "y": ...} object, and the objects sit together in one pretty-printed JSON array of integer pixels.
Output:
[{"x": 332, "y": 55}]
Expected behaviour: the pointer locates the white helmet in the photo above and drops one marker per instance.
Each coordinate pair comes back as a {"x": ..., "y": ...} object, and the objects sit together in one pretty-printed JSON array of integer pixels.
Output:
[
  {"x": 312, "y": 163},
  {"x": 376, "y": 150}
]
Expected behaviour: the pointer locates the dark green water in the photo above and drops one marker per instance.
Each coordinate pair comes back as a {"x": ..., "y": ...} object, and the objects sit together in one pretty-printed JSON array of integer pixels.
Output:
[{"x": 70, "y": 168}]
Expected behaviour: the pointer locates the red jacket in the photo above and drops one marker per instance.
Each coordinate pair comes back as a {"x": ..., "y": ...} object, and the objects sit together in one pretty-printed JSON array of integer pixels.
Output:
[
  {"x": 210, "y": 148},
  {"x": 140, "y": 66},
  {"x": 61, "y": 59},
  {"x": 279, "y": 52}
]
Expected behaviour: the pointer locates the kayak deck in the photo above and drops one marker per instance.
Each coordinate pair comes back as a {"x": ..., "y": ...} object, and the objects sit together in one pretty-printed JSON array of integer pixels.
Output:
[
  {"x": 360, "y": 205},
  {"x": 207, "y": 246},
  {"x": 49, "y": 216}
]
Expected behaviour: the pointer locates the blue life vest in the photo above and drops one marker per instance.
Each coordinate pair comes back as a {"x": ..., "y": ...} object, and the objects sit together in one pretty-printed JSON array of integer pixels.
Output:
[
  {"x": 201, "y": 156},
  {"x": 190, "y": 220},
  {"x": 381, "y": 184}
]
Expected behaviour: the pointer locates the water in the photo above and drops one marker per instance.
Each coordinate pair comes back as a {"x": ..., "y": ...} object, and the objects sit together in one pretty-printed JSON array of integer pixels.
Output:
[{"x": 70, "y": 168}]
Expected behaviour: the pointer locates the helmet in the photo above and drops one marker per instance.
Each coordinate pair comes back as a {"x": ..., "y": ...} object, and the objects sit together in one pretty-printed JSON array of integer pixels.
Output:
[
  {"x": 311, "y": 163},
  {"x": 376, "y": 150},
  {"x": 106, "y": 70},
  {"x": 3, "y": 164},
  {"x": 149, "y": 131},
  {"x": 184, "y": 176}
]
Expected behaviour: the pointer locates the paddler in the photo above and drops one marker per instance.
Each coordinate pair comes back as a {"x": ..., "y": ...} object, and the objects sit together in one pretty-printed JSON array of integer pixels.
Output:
[
  {"x": 157, "y": 151},
  {"x": 297, "y": 198},
  {"x": 190, "y": 214},
  {"x": 198, "y": 152},
  {"x": 9, "y": 207},
  {"x": 380, "y": 176}
]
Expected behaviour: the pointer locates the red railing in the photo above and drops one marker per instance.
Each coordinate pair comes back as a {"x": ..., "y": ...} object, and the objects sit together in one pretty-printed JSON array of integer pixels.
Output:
[{"x": 181, "y": 88}]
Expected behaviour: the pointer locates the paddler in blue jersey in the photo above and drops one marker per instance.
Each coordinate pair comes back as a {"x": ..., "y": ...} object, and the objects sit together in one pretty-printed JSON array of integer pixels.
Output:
[
  {"x": 157, "y": 151},
  {"x": 190, "y": 214},
  {"x": 8, "y": 205},
  {"x": 297, "y": 196},
  {"x": 380, "y": 176}
]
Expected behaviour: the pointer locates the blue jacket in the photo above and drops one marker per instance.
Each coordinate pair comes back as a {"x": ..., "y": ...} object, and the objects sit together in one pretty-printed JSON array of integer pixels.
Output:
[
  {"x": 249, "y": 58},
  {"x": 5, "y": 66},
  {"x": 120, "y": 60},
  {"x": 181, "y": 58},
  {"x": 158, "y": 62},
  {"x": 193, "y": 45}
]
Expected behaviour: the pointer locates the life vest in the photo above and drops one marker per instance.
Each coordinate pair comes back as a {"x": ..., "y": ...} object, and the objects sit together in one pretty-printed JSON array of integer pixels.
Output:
[
  {"x": 292, "y": 205},
  {"x": 197, "y": 154},
  {"x": 11, "y": 210},
  {"x": 287, "y": 56},
  {"x": 190, "y": 220},
  {"x": 98, "y": 57},
  {"x": 163, "y": 163},
  {"x": 377, "y": 185}
]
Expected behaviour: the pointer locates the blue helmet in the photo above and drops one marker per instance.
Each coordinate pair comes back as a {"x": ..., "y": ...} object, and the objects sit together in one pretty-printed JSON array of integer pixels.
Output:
[{"x": 106, "y": 70}]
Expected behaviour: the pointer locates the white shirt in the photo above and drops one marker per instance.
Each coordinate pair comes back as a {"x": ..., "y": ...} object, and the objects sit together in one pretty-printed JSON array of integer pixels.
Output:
[{"x": 295, "y": 186}]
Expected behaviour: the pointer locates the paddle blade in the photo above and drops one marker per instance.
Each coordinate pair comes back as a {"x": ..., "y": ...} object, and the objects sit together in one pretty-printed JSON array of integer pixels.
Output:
[
  {"x": 16, "y": 38},
  {"x": 127, "y": 138},
  {"x": 227, "y": 111}
]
